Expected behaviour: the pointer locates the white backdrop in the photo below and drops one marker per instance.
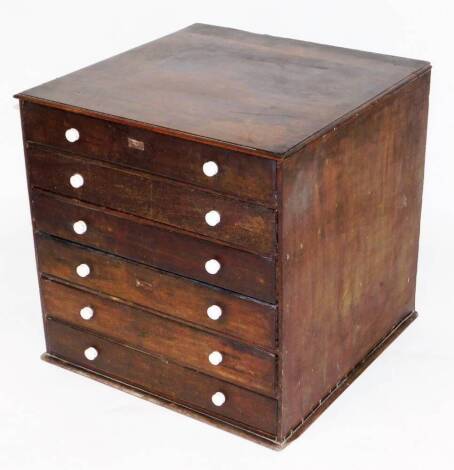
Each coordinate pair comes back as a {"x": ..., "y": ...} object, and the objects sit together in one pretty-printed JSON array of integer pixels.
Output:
[{"x": 398, "y": 414}]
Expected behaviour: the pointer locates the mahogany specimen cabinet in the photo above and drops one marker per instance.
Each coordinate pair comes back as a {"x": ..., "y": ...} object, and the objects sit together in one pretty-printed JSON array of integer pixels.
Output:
[{"x": 227, "y": 223}]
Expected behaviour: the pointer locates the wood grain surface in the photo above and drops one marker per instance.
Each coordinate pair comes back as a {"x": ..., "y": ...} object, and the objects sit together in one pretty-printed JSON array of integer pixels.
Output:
[
  {"x": 239, "y": 175},
  {"x": 171, "y": 340},
  {"x": 143, "y": 241},
  {"x": 245, "y": 225},
  {"x": 162, "y": 378},
  {"x": 254, "y": 91},
  {"x": 242, "y": 317},
  {"x": 320, "y": 158},
  {"x": 351, "y": 208}
]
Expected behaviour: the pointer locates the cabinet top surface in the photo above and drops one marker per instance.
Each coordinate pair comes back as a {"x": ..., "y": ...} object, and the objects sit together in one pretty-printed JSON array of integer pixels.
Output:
[{"x": 248, "y": 91}]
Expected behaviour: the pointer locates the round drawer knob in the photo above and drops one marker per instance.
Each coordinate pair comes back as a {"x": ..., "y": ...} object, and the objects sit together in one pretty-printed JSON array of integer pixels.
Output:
[
  {"x": 212, "y": 218},
  {"x": 91, "y": 353},
  {"x": 210, "y": 169},
  {"x": 72, "y": 135},
  {"x": 218, "y": 399},
  {"x": 83, "y": 270},
  {"x": 214, "y": 312},
  {"x": 87, "y": 313},
  {"x": 212, "y": 266},
  {"x": 80, "y": 227},
  {"x": 76, "y": 181},
  {"x": 215, "y": 358}
]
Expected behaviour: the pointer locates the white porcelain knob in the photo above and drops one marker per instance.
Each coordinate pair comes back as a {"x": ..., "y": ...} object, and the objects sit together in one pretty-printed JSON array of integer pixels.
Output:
[
  {"x": 91, "y": 353},
  {"x": 218, "y": 399},
  {"x": 76, "y": 181},
  {"x": 87, "y": 313},
  {"x": 212, "y": 266},
  {"x": 80, "y": 227},
  {"x": 214, "y": 312},
  {"x": 83, "y": 270},
  {"x": 215, "y": 358},
  {"x": 72, "y": 135},
  {"x": 212, "y": 218},
  {"x": 210, "y": 169}
]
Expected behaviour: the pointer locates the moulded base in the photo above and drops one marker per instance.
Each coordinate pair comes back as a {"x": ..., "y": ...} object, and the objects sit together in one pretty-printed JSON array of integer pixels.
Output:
[{"x": 261, "y": 439}]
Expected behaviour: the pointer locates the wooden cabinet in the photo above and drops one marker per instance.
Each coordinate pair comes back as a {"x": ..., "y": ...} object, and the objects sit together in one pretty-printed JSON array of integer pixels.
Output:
[{"x": 229, "y": 230}]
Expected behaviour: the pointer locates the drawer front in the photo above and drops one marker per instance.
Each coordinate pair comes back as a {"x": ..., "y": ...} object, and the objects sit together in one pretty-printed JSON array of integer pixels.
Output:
[
  {"x": 241, "y": 317},
  {"x": 246, "y": 225},
  {"x": 240, "y": 175},
  {"x": 239, "y": 363},
  {"x": 162, "y": 378},
  {"x": 142, "y": 241}
]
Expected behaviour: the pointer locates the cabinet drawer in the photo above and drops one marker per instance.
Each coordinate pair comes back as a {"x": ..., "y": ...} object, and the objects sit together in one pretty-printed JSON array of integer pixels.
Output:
[
  {"x": 161, "y": 378},
  {"x": 213, "y": 354},
  {"x": 241, "y": 317},
  {"x": 246, "y": 225},
  {"x": 244, "y": 176},
  {"x": 143, "y": 241}
]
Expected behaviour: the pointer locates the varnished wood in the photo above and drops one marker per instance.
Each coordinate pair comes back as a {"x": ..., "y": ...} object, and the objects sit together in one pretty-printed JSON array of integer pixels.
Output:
[
  {"x": 141, "y": 241},
  {"x": 241, "y": 364},
  {"x": 249, "y": 90},
  {"x": 350, "y": 239},
  {"x": 242, "y": 318},
  {"x": 263, "y": 439},
  {"x": 320, "y": 153},
  {"x": 162, "y": 378},
  {"x": 240, "y": 175},
  {"x": 248, "y": 226},
  {"x": 346, "y": 381}
]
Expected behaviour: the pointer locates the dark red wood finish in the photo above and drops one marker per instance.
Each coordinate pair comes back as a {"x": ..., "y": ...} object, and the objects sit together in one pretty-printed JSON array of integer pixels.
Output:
[
  {"x": 162, "y": 378},
  {"x": 242, "y": 224},
  {"x": 242, "y": 317},
  {"x": 154, "y": 245},
  {"x": 241, "y": 364},
  {"x": 320, "y": 155},
  {"x": 239, "y": 175},
  {"x": 252, "y": 92},
  {"x": 349, "y": 245}
]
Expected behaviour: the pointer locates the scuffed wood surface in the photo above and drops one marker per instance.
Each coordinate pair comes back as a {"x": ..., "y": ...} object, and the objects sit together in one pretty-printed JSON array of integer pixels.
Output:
[{"x": 351, "y": 208}]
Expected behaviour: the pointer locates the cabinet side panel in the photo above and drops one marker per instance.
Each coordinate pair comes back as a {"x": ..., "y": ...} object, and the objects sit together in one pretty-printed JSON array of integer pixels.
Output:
[{"x": 349, "y": 233}]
